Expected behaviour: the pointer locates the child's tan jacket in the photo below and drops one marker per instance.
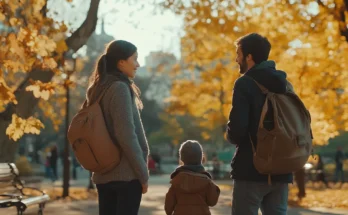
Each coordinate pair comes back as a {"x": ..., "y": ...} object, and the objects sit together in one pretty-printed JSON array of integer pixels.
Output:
[{"x": 191, "y": 193}]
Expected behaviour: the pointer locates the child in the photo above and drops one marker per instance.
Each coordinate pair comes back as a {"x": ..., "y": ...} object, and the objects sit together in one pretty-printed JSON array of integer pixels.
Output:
[{"x": 192, "y": 190}]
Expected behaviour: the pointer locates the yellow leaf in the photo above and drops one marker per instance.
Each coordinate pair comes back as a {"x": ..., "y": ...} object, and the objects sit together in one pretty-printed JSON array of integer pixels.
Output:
[
  {"x": 13, "y": 21},
  {"x": 41, "y": 90},
  {"x": 6, "y": 94},
  {"x": 41, "y": 44},
  {"x": 38, "y": 4},
  {"x": 20, "y": 126},
  {"x": 61, "y": 47},
  {"x": 16, "y": 129},
  {"x": 2, "y": 17},
  {"x": 33, "y": 126},
  {"x": 63, "y": 27},
  {"x": 15, "y": 66},
  {"x": 22, "y": 34},
  {"x": 49, "y": 63},
  {"x": 14, "y": 5},
  {"x": 15, "y": 46}
]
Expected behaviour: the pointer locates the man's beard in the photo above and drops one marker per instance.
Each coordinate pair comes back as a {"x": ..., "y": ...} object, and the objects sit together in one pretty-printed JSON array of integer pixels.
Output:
[{"x": 243, "y": 68}]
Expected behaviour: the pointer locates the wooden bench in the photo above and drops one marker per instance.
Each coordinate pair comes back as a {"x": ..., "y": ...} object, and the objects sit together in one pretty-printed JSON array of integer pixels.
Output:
[{"x": 14, "y": 194}]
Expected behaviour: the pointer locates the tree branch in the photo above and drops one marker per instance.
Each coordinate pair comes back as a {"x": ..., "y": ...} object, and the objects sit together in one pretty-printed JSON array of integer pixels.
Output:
[
  {"x": 26, "y": 100},
  {"x": 44, "y": 9},
  {"x": 339, "y": 16},
  {"x": 81, "y": 35},
  {"x": 344, "y": 32}
]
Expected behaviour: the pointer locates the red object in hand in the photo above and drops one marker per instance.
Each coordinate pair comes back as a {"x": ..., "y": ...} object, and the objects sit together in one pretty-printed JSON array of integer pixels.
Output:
[{"x": 151, "y": 164}]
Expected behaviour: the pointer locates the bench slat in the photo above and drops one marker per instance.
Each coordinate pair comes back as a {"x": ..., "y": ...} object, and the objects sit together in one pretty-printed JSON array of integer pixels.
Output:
[
  {"x": 5, "y": 184},
  {"x": 5, "y": 168},
  {"x": 3, "y": 165},
  {"x": 6, "y": 179},
  {"x": 5, "y": 171},
  {"x": 36, "y": 200},
  {"x": 8, "y": 200}
]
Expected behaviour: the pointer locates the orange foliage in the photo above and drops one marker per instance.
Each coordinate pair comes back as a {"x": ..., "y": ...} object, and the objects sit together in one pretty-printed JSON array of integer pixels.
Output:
[
  {"x": 307, "y": 45},
  {"x": 29, "y": 40}
]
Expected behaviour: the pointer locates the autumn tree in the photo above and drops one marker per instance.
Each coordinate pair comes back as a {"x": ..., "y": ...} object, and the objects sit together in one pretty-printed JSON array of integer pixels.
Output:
[
  {"x": 33, "y": 46},
  {"x": 319, "y": 11},
  {"x": 312, "y": 51}
]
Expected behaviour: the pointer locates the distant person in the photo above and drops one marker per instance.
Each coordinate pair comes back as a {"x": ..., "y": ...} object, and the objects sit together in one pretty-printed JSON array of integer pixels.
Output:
[
  {"x": 157, "y": 158},
  {"x": 48, "y": 169},
  {"x": 320, "y": 171},
  {"x": 339, "y": 159},
  {"x": 216, "y": 167},
  {"x": 151, "y": 165},
  {"x": 192, "y": 190},
  {"x": 53, "y": 161},
  {"x": 120, "y": 190}
]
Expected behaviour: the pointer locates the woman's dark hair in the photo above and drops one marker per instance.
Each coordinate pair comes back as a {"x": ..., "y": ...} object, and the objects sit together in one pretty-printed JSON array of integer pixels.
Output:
[
  {"x": 258, "y": 46},
  {"x": 106, "y": 67},
  {"x": 107, "y": 63}
]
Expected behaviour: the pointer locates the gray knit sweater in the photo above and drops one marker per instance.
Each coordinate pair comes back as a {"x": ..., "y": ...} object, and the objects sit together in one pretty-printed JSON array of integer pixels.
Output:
[{"x": 124, "y": 124}]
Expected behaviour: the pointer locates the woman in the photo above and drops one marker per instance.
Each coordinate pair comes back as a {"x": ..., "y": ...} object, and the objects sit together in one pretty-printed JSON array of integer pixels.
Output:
[{"x": 121, "y": 189}]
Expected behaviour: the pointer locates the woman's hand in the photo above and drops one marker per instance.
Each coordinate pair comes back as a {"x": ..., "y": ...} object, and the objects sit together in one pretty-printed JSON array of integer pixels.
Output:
[{"x": 145, "y": 187}]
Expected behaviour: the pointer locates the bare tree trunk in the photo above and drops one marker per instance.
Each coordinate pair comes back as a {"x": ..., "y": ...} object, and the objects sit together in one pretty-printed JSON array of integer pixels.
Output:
[
  {"x": 26, "y": 100},
  {"x": 344, "y": 31},
  {"x": 67, "y": 160}
]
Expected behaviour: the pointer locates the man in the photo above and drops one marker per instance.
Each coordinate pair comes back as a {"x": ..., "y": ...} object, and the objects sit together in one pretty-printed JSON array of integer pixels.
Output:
[
  {"x": 251, "y": 189},
  {"x": 339, "y": 158}
]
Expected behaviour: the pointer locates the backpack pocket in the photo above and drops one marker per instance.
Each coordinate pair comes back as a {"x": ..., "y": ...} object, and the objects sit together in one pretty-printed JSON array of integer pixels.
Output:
[
  {"x": 84, "y": 154},
  {"x": 301, "y": 141}
]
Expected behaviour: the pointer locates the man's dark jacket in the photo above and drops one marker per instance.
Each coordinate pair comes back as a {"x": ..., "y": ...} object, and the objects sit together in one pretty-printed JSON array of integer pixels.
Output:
[{"x": 247, "y": 104}]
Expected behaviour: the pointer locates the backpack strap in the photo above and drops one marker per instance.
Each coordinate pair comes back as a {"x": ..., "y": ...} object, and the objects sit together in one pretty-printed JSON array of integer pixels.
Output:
[
  {"x": 262, "y": 88},
  {"x": 252, "y": 145},
  {"x": 101, "y": 95},
  {"x": 85, "y": 103}
]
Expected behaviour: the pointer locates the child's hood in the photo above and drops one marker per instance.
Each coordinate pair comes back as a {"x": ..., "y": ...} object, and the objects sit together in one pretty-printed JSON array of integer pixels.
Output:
[{"x": 190, "y": 182}]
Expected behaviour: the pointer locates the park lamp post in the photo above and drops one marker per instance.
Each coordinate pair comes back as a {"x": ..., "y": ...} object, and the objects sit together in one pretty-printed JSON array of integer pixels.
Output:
[{"x": 69, "y": 68}]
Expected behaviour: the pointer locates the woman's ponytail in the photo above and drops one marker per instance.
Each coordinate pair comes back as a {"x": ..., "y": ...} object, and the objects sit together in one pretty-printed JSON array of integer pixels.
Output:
[{"x": 99, "y": 71}]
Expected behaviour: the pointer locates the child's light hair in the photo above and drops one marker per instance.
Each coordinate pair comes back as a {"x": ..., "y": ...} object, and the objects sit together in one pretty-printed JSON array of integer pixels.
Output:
[{"x": 191, "y": 152}]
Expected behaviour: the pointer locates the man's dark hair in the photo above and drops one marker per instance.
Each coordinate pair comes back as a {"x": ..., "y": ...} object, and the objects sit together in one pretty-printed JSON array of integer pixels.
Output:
[{"x": 258, "y": 46}]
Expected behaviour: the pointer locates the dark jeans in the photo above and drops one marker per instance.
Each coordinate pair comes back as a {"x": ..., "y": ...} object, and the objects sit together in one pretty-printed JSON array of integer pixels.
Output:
[
  {"x": 339, "y": 172},
  {"x": 119, "y": 197},
  {"x": 321, "y": 177},
  {"x": 54, "y": 171},
  {"x": 249, "y": 197}
]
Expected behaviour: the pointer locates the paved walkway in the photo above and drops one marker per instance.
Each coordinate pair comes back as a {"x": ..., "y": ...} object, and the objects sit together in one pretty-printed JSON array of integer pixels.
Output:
[{"x": 152, "y": 203}]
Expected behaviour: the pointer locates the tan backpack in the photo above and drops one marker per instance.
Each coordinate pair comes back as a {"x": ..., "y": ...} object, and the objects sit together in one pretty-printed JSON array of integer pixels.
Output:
[
  {"x": 90, "y": 139},
  {"x": 287, "y": 146}
]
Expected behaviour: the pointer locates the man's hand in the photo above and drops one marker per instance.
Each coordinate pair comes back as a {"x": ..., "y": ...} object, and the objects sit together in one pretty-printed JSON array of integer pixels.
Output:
[{"x": 145, "y": 187}]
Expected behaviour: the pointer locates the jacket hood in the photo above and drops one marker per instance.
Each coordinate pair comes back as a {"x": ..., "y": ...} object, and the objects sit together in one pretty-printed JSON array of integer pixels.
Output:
[
  {"x": 190, "y": 182},
  {"x": 190, "y": 179},
  {"x": 267, "y": 75}
]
